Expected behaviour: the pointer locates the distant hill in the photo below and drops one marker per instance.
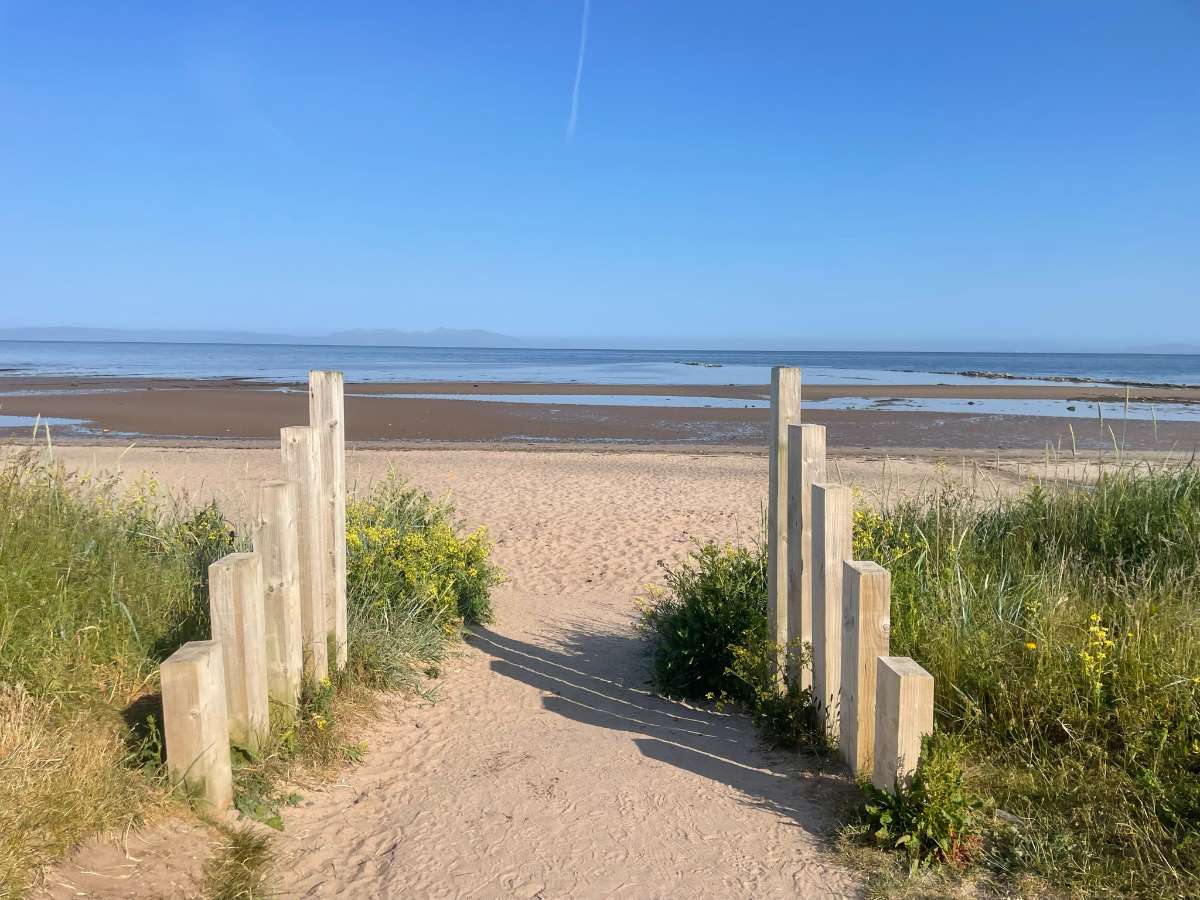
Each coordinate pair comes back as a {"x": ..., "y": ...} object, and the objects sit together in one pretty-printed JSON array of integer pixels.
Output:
[
  {"x": 374, "y": 337},
  {"x": 439, "y": 337}
]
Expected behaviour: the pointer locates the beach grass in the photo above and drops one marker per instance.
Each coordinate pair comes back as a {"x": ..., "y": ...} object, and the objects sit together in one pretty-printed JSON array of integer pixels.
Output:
[
  {"x": 99, "y": 583},
  {"x": 1062, "y": 626}
]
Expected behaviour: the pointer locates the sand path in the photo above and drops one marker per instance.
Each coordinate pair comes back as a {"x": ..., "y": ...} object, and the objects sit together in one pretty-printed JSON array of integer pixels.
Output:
[{"x": 546, "y": 769}]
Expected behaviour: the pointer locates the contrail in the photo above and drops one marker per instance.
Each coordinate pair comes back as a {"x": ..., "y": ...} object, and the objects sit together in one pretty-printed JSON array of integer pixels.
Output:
[{"x": 587, "y": 5}]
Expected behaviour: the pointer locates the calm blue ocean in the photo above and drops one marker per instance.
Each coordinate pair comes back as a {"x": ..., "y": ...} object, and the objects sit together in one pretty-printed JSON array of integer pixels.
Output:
[{"x": 280, "y": 362}]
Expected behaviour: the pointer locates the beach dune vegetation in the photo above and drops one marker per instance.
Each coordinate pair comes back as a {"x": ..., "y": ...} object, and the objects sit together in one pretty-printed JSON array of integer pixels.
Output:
[
  {"x": 1062, "y": 626},
  {"x": 99, "y": 583}
]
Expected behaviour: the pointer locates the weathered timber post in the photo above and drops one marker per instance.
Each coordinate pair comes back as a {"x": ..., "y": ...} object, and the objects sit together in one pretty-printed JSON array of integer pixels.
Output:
[
  {"x": 301, "y": 463},
  {"x": 785, "y": 411},
  {"x": 866, "y": 624},
  {"x": 196, "y": 723},
  {"x": 327, "y": 414},
  {"x": 806, "y": 465},
  {"x": 276, "y": 542},
  {"x": 235, "y": 599},
  {"x": 833, "y": 545},
  {"x": 903, "y": 715}
]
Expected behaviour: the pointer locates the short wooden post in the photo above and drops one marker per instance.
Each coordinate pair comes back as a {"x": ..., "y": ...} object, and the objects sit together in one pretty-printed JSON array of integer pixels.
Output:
[
  {"x": 195, "y": 722},
  {"x": 806, "y": 464},
  {"x": 785, "y": 411},
  {"x": 235, "y": 599},
  {"x": 275, "y": 541},
  {"x": 833, "y": 545},
  {"x": 866, "y": 623},
  {"x": 903, "y": 715},
  {"x": 301, "y": 463},
  {"x": 327, "y": 413}
]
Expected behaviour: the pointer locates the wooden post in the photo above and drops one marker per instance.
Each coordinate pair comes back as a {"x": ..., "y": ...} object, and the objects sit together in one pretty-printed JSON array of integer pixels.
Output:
[
  {"x": 903, "y": 715},
  {"x": 195, "y": 722},
  {"x": 301, "y": 463},
  {"x": 275, "y": 541},
  {"x": 327, "y": 413},
  {"x": 235, "y": 599},
  {"x": 785, "y": 411},
  {"x": 866, "y": 623},
  {"x": 806, "y": 464},
  {"x": 833, "y": 544}
]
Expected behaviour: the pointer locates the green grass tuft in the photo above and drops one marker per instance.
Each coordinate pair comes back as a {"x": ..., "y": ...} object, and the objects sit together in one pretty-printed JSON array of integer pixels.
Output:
[{"x": 239, "y": 866}]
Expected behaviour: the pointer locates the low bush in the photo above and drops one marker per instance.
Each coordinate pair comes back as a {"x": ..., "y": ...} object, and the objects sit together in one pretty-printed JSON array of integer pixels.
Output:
[
  {"x": 713, "y": 602},
  {"x": 413, "y": 582},
  {"x": 935, "y": 818},
  {"x": 709, "y": 640}
]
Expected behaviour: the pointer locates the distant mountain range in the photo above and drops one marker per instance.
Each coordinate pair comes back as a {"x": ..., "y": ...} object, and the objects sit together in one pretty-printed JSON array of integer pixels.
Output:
[
  {"x": 474, "y": 337},
  {"x": 360, "y": 337}
]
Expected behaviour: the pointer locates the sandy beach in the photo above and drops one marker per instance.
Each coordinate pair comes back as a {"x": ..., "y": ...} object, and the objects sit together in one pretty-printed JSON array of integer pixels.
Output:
[
  {"x": 247, "y": 413},
  {"x": 546, "y": 768}
]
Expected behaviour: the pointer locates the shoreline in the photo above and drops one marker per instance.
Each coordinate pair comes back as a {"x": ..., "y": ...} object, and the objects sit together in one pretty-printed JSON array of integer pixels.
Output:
[
  {"x": 202, "y": 412},
  {"x": 16, "y": 386}
]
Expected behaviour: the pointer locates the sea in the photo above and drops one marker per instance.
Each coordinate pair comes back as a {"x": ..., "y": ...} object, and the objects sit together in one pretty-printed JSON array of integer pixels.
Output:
[{"x": 290, "y": 363}]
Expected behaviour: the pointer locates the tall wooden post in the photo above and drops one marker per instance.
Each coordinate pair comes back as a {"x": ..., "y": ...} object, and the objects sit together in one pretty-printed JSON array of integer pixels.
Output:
[
  {"x": 235, "y": 599},
  {"x": 866, "y": 627},
  {"x": 785, "y": 411},
  {"x": 903, "y": 715},
  {"x": 327, "y": 413},
  {"x": 276, "y": 542},
  {"x": 833, "y": 545},
  {"x": 301, "y": 463},
  {"x": 806, "y": 464},
  {"x": 196, "y": 722}
]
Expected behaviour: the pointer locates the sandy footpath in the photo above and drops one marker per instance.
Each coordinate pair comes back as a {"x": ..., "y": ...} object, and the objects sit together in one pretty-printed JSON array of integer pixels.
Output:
[{"x": 546, "y": 768}]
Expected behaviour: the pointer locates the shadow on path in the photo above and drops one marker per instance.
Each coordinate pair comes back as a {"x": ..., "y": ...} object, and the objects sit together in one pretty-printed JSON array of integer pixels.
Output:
[{"x": 587, "y": 679}]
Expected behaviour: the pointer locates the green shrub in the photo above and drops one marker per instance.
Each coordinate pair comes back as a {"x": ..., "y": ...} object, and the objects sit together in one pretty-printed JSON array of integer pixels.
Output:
[
  {"x": 714, "y": 601},
  {"x": 786, "y": 719},
  {"x": 412, "y": 583},
  {"x": 934, "y": 818}
]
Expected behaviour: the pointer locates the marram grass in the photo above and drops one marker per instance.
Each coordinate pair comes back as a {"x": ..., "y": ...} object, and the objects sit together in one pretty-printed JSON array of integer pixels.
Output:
[
  {"x": 99, "y": 584},
  {"x": 1063, "y": 629}
]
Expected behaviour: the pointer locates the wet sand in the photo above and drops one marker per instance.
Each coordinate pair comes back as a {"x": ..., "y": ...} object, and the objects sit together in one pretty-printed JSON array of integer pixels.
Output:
[{"x": 235, "y": 410}]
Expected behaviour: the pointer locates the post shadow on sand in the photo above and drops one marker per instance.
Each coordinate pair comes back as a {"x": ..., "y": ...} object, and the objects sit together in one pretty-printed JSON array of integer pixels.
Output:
[{"x": 586, "y": 682}]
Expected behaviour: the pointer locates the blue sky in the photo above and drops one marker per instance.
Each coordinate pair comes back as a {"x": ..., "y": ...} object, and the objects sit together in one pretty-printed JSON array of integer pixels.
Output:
[{"x": 841, "y": 173}]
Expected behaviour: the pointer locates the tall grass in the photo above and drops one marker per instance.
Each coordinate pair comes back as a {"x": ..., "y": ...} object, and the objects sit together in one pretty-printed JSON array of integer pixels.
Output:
[
  {"x": 99, "y": 584},
  {"x": 1063, "y": 628}
]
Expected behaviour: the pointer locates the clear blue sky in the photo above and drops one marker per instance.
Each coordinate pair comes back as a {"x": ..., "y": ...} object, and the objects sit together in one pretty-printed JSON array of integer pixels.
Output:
[{"x": 891, "y": 171}]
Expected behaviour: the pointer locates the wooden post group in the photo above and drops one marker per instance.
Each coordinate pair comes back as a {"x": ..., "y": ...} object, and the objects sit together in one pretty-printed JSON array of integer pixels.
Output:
[
  {"x": 275, "y": 613},
  {"x": 877, "y": 707}
]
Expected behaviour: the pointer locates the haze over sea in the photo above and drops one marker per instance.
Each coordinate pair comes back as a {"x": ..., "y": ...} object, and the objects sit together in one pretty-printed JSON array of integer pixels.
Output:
[{"x": 285, "y": 363}]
